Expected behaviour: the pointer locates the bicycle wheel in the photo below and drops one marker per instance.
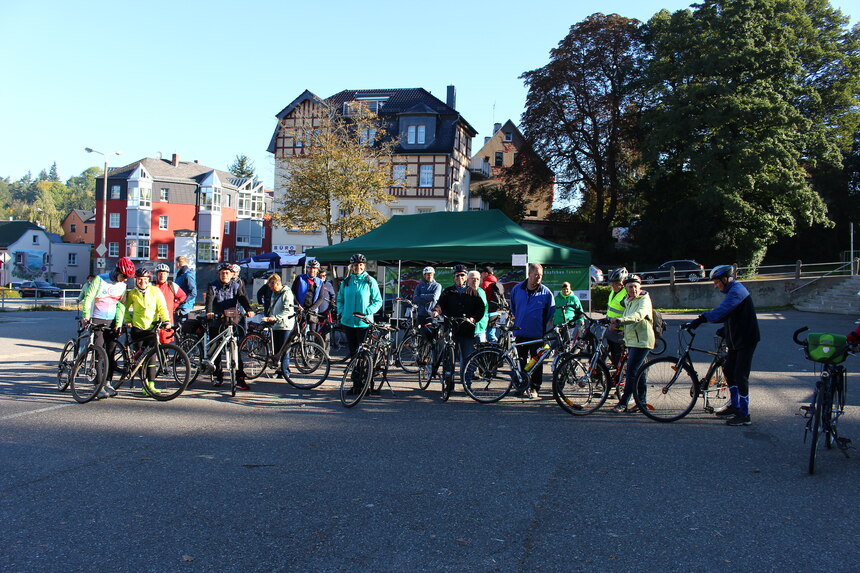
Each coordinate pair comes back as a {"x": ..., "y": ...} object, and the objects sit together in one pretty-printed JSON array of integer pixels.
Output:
[
  {"x": 122, "y": 363},
  {"x": 407, "y": 353},
  {"x": 659, "y": 347},
  {"x": 255, "y": 355},
  {"x": 670, "y": 394},
  {"x": 717, "y": 395},
  {"x": 232, "y": 352},
  {"x": 88, "y": 374},
  {"x": 580, "y": 384},
  {"x": 309, "y": 367},
  {"x": 488, "y": 375},
  {"x": 814, "y": 426},
  {"x": 356, "y": 379},
  {"x": 168, "y": 374},
  {"x": 837, "y": 405},
  {"x": 193, "y": 347},
  {"x": 336, "y": 345},
  {"x": 448, "y": 373},
  {"x": 65, "y": 366},
  {"x": 424, "y": 364}
]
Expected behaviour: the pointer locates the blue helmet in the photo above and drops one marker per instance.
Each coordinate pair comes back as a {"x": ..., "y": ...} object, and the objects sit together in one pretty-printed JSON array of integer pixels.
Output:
[{"x": 720, "y": 271}]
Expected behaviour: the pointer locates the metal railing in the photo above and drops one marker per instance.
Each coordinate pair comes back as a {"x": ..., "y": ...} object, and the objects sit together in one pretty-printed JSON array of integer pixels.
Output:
[{"x": 798, "y": 270}]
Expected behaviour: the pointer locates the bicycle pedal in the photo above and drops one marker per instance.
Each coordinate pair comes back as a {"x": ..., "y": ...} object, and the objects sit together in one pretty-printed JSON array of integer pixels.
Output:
[
  {"x": 844, "y": 443},
  {"x": 804, "y": 411}
]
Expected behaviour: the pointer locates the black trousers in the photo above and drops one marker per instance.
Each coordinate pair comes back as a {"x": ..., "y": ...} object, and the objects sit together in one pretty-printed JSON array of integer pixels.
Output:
[
  {"x": 354, "y": 338},
  {"x": 106, "y": 339}
]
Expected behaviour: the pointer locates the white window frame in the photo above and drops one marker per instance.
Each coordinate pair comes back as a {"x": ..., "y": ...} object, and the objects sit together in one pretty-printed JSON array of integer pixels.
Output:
[
  {"x": 115, "y": 191},
  {"x": 162, "y": 250},
  {"x": 226, "y": 227},
  {"x": 509, "y": 136},
  {"x": 416, "y": 134},
  {"x": 113, "y": 220},
  {"x": 164, "y": 194},
  {"x": 73, "y": 259},
  {"x": 399, "y": 175},
  {"x": 423, "y": 172},
  {"x": 113, "y": 250},
  {"x": 162, "y": 223}
]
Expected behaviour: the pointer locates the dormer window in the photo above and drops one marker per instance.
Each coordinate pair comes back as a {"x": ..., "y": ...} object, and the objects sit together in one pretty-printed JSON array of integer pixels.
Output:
[
  {"x": 351, "y": 108},
  {"x": 416, "y": 134}
]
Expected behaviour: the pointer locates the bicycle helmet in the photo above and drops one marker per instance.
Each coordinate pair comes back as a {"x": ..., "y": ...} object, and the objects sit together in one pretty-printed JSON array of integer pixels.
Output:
[
  {"x": 720, "y": 271},
  {"x": 618, "y": 275},
  {"x": 632, "y": 279},
  {"x": 225, "y": 267},
  {"x": 162, "y": 268},
  {"x": 357, "y": 258},
  {"x": 235, "y": 268},
  {"x": 125, "y": 266},
  {"x": 142, "y": 272},
  {"x": 460, "y": 269},
  {"x": 313, "y": 265}
]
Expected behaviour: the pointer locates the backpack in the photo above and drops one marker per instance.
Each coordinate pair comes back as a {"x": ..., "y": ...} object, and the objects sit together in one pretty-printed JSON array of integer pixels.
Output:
[
  {"x": 497, "y": 300},
  {"x": 658, "y": 325}
]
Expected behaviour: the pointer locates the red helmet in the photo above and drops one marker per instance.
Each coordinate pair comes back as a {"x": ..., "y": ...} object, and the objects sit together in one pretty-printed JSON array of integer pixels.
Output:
[{"x": 125, "y": 266}]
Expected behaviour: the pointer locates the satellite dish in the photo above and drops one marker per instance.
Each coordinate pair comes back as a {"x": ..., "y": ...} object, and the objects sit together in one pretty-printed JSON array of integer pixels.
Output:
[{"x": 158, "y": 155}]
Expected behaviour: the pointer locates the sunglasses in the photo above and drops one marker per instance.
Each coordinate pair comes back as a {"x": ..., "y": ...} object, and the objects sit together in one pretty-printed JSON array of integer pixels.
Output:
[{"x": 459, "y": 274}]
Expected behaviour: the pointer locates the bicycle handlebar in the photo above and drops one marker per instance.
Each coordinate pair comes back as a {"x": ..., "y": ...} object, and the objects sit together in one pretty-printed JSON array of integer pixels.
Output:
[{"x": 797, "y": 340}]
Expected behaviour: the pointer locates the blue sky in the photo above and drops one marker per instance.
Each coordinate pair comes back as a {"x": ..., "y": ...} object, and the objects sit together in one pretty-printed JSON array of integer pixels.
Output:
[{"x": 205, "y": 79}]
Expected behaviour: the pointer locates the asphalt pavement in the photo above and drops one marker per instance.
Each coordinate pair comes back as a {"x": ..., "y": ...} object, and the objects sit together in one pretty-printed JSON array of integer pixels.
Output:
[{"x": 278, "y": 479}]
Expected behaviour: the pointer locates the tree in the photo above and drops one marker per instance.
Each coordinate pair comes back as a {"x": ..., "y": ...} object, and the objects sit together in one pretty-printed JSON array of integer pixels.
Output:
[
  {"x": 344, "y": 170},
  {"x": 509, "y": 200},
  {"x": 242, "y": 166},
  {"x": 53, "y": 174},
  {"x": 728, "y": 134},
  {"x": 82, "y": 189},
  {"x": 580, "y": 111}
]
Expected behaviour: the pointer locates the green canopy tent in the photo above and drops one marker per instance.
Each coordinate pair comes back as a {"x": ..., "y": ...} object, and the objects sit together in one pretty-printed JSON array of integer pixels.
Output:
[{"x": 452, "y": 237}]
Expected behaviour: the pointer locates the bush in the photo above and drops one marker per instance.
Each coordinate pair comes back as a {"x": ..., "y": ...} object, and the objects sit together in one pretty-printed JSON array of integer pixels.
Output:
[
  {"x": 600, "y": 298},
  {"x": 9, "y": 293}
]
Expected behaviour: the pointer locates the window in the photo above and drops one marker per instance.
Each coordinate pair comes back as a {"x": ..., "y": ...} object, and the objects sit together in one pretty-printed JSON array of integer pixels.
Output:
[
  {"x": 228, "y": 200},
  {"x": 226, "y": 254},
  {"x": 207, "y": 250},
  {"x": 162, "y": 222},
  {"x": 426, "y": 176},
  {"x": 400, "y": 176},
  {"x": 398, "y": 211},
  {"x": 165, "y": 193},
  {"x": 114, "y": 191},
  {"x": 113, "y": 250},
  {"x": 35, "y": 239},
  {"x": 240, "y": 254},
  {"x": 500, "y": 157},
  {"x": 73, "y": 260},
  {"x": 73, "y": 228},
  {"x": 139, "y": 197},
  {"x": 113, "y": 223},
  {"x": 415, "y": 134},
  {"x": 368, "y": 136},
  {"x": 226, "y": 227},
  {"x": 137, "y": 248},
  {"x": 162, "y": 250},
  {"x": 19, "y": 258},
  {"x": 86, "y": 227},
  {"x": 509, "y": 136},
  {"x": 210, "y": 198},
  {"x": 72, "y": 278},
  {"x": 425, "y": 209},
  {"x": 533, "y": 213}
]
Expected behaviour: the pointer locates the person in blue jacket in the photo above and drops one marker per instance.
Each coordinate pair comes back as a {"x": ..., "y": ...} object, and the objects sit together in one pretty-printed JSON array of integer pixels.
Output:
[
  {"x": 359, "y": 293},
  {"x": 533, "y": 307},
  {"x": 426, "y": 295},
  {"x": 187, "y": 281},
  {"x": 742, "y": 335},
  {"x": 308, "y": 287}
]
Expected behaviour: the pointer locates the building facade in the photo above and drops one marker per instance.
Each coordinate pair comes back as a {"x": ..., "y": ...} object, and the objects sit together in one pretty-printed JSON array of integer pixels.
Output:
[
  {"x": 501, "y": 151},
  {"x": 158, "y": 209},
  {"x": 430, "y": 161},
  {"x": 79, "y": 226},
  {"x": 30, "y": 253}
]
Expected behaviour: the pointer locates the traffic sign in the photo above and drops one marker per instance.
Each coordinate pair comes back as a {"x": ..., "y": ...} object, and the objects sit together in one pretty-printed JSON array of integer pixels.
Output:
[
  {"x": 100, "y": 263},
  {"x": 4, "y": 257},
  {"x": 101, "y": 250}
]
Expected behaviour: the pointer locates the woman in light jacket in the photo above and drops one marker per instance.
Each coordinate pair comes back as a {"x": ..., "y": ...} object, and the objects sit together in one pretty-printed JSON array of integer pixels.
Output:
[
  {"x": 638, "y": 337},
  {"x": 282, "y": 316}
]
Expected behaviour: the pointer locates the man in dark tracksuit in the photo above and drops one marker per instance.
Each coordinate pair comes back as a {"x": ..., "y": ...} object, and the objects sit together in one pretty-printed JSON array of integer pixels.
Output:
[
  {"x": 742, "y": 335},
  {"x": 226, "y": 293}
]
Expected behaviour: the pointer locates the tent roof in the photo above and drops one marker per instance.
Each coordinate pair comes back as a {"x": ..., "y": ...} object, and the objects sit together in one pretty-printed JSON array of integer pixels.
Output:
[{"x": 453, "y": 237}]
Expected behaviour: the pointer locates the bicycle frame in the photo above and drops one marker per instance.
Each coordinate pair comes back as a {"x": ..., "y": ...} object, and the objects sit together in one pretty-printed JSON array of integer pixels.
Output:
[{"x": 702, "y": 384}]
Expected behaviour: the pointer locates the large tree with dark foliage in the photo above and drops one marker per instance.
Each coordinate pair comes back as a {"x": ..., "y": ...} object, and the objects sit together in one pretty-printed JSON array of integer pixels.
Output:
[{"x": 580, "y": 112}]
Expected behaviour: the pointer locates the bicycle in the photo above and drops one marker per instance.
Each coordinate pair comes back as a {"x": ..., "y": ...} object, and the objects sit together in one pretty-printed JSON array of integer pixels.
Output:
[
  {"x": 203, "y": 349},
  {"x": 672, "y": 385},
  {"x": 491, "y": 371},
  {"x": 88, "y": 369},
  {"x": 370, "y": 361},
  {"x": 413, "y": 348},
  {"x": 828, "y": 399},
  {"x": 258, "y": 353},
  {"x": 164, "y": 368},
  {"x": 442, "y": 351},
  {"x": 67, "y": 357}
]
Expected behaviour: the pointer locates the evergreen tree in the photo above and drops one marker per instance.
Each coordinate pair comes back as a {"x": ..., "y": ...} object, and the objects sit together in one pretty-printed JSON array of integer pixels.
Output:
[{"x": 242, "y": 166}]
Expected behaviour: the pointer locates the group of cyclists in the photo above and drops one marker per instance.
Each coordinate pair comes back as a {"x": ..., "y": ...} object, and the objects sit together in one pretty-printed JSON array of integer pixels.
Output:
[{"x": 476, "y": 297}]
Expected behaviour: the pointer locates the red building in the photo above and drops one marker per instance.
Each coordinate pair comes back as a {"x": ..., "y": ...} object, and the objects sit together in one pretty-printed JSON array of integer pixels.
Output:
[{"x": 158, "y": 209}]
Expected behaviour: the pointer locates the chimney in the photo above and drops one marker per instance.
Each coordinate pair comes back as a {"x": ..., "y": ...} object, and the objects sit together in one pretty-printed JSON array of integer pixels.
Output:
[
  {"x": 496, "y": 127},
  {"x": 176, "y": 160},
  {"x": 451, "y": 100},
  {"x": 195, "y": 161},
  {"x": 487, "y": 139}
]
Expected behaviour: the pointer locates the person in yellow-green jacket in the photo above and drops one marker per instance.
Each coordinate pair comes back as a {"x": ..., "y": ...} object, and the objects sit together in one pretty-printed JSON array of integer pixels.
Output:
[
  {"x": 638, "y": 337},
  {"x": 145, "y": 305},
  {"x": 615, "y": 309}
]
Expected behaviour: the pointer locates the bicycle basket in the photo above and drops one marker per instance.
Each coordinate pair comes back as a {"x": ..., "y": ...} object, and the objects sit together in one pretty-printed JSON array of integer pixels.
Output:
[
  {"x": 232, "y": 315},
  {"x": 192, "y": 326},
  {"x": 826, "y": 348},
  {"x": 165, "y": 335}
]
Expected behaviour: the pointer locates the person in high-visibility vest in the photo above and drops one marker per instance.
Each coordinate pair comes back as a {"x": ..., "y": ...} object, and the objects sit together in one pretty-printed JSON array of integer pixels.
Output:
[{"x": 615, "y": 309}]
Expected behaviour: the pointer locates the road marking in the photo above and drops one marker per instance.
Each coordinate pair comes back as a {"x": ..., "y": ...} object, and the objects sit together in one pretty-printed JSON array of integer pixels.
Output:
[{"x": 48, "y": 409}]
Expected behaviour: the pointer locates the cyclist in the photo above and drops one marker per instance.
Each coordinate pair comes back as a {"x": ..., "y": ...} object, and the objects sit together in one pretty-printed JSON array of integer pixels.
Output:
[
  {"x": 307, "y": 287},
  {"x": 187, "y": 281},
  {"x": 281, "y": 316},
  {"x": 474, "y": 282},
  {"x": 638, "y": 337},
  {"x": 102, "y": 305},
  {"x": 566, "y": 297},
  {"x": 174, "y": 296},
  {"x": 359, "y": 293},
  {"x": 496, "y": 303},
  {"x": 742, "y": 336},
  {"x": 426, "y": 295},
  {"x": 460, "y": 300},
  {"x": 145, "y": 305},
  {"x": 533, "y": 306},
  {"x": 615, "y": 309},
  {"x": 222, "y": 294}
]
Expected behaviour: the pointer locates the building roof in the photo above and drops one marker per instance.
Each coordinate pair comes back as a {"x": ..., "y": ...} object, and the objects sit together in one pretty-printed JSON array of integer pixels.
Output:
[
  {"x": 397, "y": 101},
  {"x": 184, "y": 171},
  {"x": 11, "y": 231}
]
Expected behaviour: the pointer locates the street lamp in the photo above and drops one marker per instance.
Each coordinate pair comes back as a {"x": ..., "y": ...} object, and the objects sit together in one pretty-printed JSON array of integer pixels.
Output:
[{"x": 102, "y": 248}]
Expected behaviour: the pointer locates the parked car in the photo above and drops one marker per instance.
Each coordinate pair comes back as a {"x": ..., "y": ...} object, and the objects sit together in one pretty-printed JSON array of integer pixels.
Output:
[
  {"x": 38, "y": 288},
  {"x": 596, "y": 275},
  {"x": 684, "y": 269}
]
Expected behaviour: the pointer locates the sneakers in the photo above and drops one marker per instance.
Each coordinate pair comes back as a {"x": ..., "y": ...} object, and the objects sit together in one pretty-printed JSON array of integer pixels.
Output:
[
  {"x": 739, "y": 420},
  {"x": 632, "y": 409},
  {"x": 533, "y": 394},
  {"x": 241, "y": 384},
  {"x": 109, "y": 390},
  {"x": 149, "y": 389},
  {"x": 619, "y": 409},
  {"x": 728, "y": 412}
]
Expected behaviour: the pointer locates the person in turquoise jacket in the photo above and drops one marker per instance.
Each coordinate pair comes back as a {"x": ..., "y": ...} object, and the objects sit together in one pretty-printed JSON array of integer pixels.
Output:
[{"x": 359, "y": 293}]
